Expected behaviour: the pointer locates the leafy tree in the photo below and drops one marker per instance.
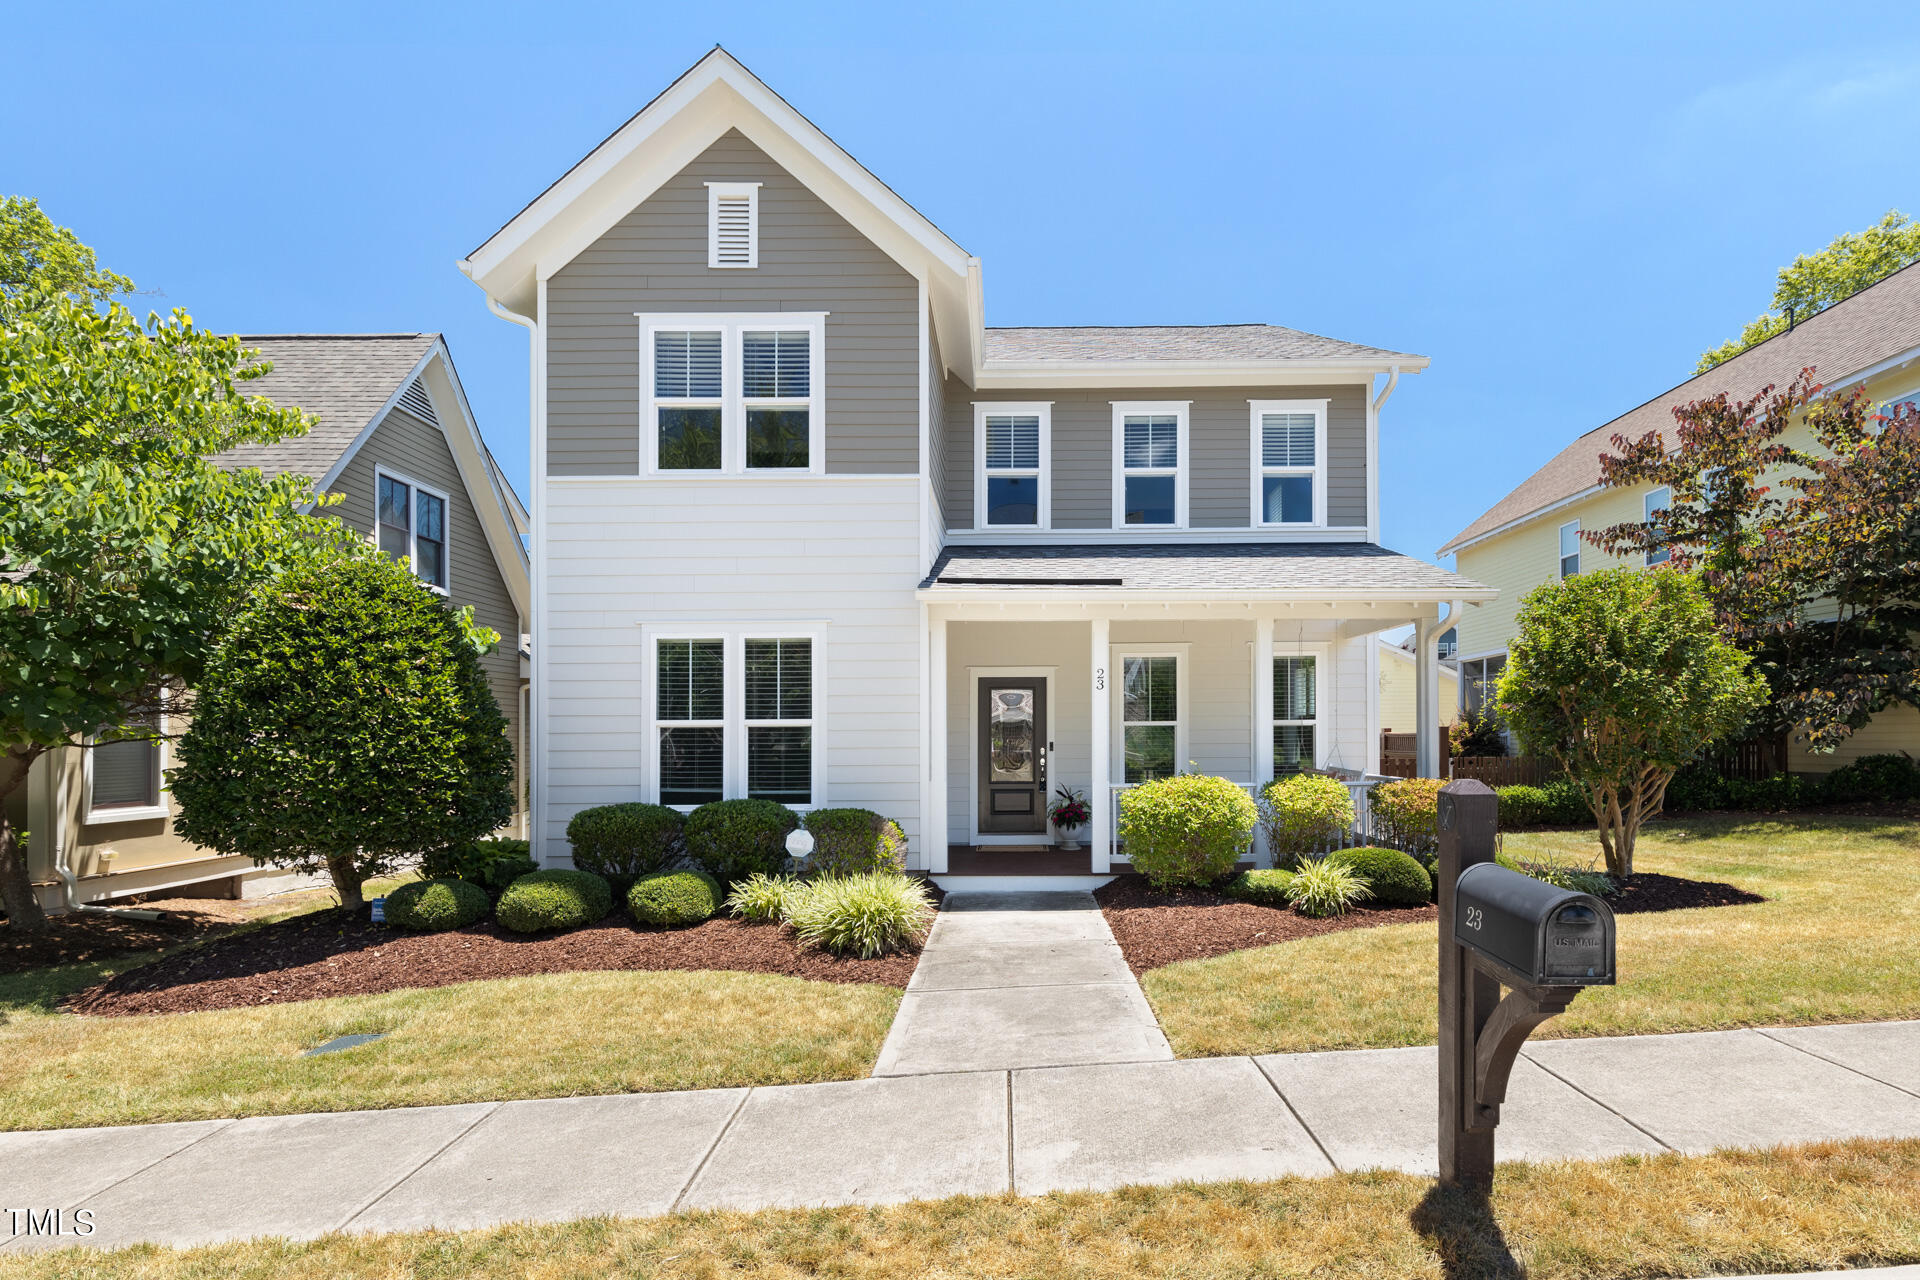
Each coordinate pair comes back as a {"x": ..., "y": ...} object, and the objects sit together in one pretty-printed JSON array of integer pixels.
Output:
[
  {"x": 1621, "y": 676},
  {"x": 123, "y": 550},
  {"x": 1813, "y": 282},
  {"x": 343, "y": 724}
]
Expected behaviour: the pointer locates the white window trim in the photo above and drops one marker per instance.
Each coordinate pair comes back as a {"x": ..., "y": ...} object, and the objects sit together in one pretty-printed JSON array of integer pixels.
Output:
[
  {"x": 716, "y": 191},
  {"x": 982, "y": 410},
  {"x": 1663, "y": 553},
  {"x": 733, "y": 413},
  {"x": 1183, "y": 718},
  {"x": 733, "y": 637},
  {"x": 1318, "y": 408},
  {"x": 93, "y": 817},
  {"x": 413, "y": 524},
  {"x": 1322, "y": 654},
  {"x": 1559, "y": 557},
  {"x": 1124, "y": 409}
]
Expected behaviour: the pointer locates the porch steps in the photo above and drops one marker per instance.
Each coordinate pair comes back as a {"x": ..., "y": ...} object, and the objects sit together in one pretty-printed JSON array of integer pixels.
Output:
[{"x": 1017, "y": 883}]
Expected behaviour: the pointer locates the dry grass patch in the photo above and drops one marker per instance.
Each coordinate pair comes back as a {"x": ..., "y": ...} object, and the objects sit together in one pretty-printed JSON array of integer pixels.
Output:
[
  {"x": 1832, "y": 943},
  {"x": 1833, "y": 1205},
  {"x": 552, "y": 1035}
]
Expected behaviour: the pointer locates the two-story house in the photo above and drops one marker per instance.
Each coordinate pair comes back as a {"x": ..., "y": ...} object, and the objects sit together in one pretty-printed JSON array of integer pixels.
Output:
[
  {"x": 1535, "y": 533},
  {"x": 395, "y": 440},
  {"x": 806, "y": 528}
]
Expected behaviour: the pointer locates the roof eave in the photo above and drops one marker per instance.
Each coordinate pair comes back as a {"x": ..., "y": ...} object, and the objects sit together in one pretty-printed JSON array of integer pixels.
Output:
[
  {"x": 1013, "y": 375},
  {"x": 1470, "y": 593}
]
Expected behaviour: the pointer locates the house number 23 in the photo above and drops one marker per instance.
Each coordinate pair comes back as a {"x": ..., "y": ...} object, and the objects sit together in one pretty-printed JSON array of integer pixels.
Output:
[
  {"x": 1099, "y": 677},
  {"x": 1475, "y": 918}
]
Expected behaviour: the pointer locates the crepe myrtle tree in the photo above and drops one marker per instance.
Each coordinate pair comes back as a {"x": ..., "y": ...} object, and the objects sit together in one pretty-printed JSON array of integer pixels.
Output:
[
  {"x": 124, "y": 551},
  {"x": 344, "y": 724},
  {"x": 1621, "y": 676}
]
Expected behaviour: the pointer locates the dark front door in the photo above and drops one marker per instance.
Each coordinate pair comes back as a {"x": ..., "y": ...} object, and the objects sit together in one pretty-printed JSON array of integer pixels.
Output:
[{"x": 1013, "y": 756}]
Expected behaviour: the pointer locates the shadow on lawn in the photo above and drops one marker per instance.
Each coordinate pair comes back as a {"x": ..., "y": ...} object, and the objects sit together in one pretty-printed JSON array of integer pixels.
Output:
[{"x": 1460, "y": 1224}]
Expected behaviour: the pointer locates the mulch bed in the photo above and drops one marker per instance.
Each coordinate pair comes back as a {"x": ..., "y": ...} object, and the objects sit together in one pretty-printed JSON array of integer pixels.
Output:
[
  {"x": 1650, "y": 891},
  {"x": 334, "y": 953},
  {"x": 1156, "y": 928},
  {"x": 82, "y": 936}
]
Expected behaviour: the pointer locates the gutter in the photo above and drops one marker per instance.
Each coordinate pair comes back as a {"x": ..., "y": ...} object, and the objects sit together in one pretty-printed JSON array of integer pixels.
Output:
[{"x": 70, "y": 887}]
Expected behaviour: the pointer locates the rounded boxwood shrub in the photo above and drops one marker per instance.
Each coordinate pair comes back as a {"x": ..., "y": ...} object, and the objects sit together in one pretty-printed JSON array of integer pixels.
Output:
[
  {"x": 623, "y": 842},
  {"x": 1262, "y": 888},
  {"x": 865, "y": 916},
  {"x": 1303, "y": 815},
  {"x": 674, "y": 898},
  {"x": 554, "y": 899},
  {"x": 1406, "y": 815},
  {"x": 733, "y": 839},
  {"x": 1393, "y": 878},
  {"x": 1186, "y": 830},
  {"x": 492, "y": 864},
  {"x": 851, "y": 842},
  {"x": 430, "y": 906}
]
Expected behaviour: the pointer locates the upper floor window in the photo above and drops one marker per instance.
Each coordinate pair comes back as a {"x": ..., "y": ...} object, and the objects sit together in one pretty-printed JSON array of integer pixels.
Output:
[
  {"x": 1011, "y": 472},
  {"x": 1569, "y": 548},
  {"x": 1149, "y": 464},
  {"x": 1289, "y": 462},
  {"x": 1657, "y": 500},
  {"x": 733, "y": 224},
  {"x": 412, "y": 522},
  {"x": 734, "y": 393}
]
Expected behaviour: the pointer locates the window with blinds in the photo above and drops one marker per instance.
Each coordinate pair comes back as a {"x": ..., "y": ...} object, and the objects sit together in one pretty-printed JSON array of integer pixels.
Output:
[
  {"x": 1150, "y": 717},
  {"x": 779, "y": 719},
  {"x": 1289, "y": 446},
  {"x": 776, "y": 371},
  {"x": 689, "y": 386},
  {"x": 1010, "y": 450},
  {"x": 690, "y": 708},
  {"x": 733, "y": 393},
  {"x": 733, "y": 716},
  {"x": 1147, "y": 483},
  {"x": 126, "y": 774},
  {"x": 733, "y": 224},
  {"x": 1296, "y": 712}
]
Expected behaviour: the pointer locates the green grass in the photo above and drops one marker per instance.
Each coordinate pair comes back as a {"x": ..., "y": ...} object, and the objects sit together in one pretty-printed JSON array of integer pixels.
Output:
[
  {"x": 1835, "y": 1205},
  {"x": 1835, "y": 942}
]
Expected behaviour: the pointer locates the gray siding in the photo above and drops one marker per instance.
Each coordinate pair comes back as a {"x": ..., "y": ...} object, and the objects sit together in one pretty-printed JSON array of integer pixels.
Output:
[
  {"x": 1219, "y": 488},
  {"x": 936, "y": 424},
  {"x": 655, "y": 259},
  {"x": 404, "y": 444}
]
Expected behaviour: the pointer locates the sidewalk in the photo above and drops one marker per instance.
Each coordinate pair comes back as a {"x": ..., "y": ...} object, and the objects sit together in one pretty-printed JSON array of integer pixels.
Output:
[{"x": 887, "y": 1139}]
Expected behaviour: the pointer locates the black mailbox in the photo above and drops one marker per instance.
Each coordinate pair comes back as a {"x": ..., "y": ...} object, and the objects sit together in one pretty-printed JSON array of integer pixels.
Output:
[{"x": 1538, "y": 935}]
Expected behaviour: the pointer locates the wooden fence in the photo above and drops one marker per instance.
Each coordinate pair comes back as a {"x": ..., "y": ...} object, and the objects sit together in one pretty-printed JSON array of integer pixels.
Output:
[
  {"x": 1398, "y": 753},
  {"x": 1504, "y": 771}
]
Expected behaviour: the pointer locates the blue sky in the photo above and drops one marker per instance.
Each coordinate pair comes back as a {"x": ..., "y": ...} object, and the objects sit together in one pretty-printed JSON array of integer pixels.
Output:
[{"x": 1562, "y": 209}]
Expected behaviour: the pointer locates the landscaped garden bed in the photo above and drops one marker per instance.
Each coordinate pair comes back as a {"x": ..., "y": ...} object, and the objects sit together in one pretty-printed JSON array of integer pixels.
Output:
[{"x": 1156, "y": 927}]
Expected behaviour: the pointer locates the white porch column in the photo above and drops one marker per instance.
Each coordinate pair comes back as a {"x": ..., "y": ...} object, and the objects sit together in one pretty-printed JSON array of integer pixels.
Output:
[
  {"x": 934, "y": 813},
  {"x": 1426, "y": 692},
  {"x": 1262, "y": 726},
  {"x": 1099, "y": 788}
]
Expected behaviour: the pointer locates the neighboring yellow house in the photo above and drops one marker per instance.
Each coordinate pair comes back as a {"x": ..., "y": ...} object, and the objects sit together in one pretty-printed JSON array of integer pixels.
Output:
[
  {"x": 1397, "y": 692},
  {"x": 1532, "y": 535}
]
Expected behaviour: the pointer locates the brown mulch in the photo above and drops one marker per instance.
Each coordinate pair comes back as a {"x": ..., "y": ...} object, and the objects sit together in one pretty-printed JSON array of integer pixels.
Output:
[
  {"x": 1156, "y": 928},
  {"x": 332, "y": 953},
  {"x": 82, "y": 936},
  {"x": 1651, "y": 891}
]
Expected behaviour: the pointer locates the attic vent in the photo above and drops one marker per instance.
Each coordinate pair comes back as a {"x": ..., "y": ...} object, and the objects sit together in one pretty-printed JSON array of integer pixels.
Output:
[
  {"x": 416, "y": 402},
  {"x": 733, "y": 224}
]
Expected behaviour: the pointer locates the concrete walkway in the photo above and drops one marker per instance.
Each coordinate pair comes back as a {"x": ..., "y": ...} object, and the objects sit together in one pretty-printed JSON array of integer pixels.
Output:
[
  {"x": 1028, "y": 1130},
  {"x": 1017, "y": 980}
]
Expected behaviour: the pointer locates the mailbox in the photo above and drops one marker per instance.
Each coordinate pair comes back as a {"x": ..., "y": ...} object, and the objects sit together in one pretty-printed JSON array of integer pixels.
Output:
[{"x": 1538, "y": 935}]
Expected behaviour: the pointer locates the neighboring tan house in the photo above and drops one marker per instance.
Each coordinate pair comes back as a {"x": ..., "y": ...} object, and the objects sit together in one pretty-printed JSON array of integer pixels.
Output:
[
  {"x": 1532, "y": 535},
  {"x": 396, "y": 440},
  {"x": 805, "y": 528},
  {"x": 1397, "y": 680}
]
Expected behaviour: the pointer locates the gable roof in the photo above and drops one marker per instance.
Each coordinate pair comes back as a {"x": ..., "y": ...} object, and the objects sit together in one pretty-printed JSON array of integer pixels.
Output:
[
  {"x": 342, "y": 379},
  {"x": 1851, "y": 337},
  {"x": 1176, "y": 342}
]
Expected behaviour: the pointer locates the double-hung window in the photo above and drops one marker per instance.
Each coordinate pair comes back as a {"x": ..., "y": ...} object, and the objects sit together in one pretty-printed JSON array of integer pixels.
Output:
[
  {"x": 1289, "y": 462},
  {"x": 123, "y": 774},
  {"x": 1152, "y": 724},
  {"x": 1296, "y": 712},
  {"x": 1657, "y": 500},
  {"x": 733, "y": 716},
  {"x": 779, "y": 719},
  {"x": 1149, "y": 464},
  {"x": 1570, "y": 548},
  {"x": 691, "y": 711},
  {"x": 734, "y": 394},
  {"x": 1011, "y": 470},
  {"x": 412, "y": 522}
]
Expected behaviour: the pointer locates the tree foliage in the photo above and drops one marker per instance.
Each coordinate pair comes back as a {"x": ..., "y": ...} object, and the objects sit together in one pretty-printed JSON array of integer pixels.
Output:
[
  {"x": 1621, "y": 676},
  {"x": 1810, "y": 558},
  {"x": 1813, "y": 282},
  {"x": 344, "y": 724}
]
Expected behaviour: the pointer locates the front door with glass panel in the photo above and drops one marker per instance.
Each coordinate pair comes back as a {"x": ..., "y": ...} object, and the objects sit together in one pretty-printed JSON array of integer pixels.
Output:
[{"x": 1013, "y": 756}]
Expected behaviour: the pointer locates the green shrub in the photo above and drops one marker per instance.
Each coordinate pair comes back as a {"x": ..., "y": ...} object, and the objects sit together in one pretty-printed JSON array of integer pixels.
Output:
[
  {"x": 764, "y": 899},
  {"x": 1186, "y": 830},
  {"x": 1889, "y": 778},
  {"x": 1565, "y": 874},
  {"x": 1325, "y": 888},
  {"x": 733, "y": 839},
  {"x": 1393, "y": 878},
  {"x": 865, "y": 915},
  {"x": 623, "y": 842},
  {"x": 1782, "y": 791},
  {"x": 431, "y": 906},
  {"x": 504, "y": 870},
  {"x": 1303, "y": 815},
  {"x": 554, "y": 899},
  {"x": 851, "y": 842},
  {"x": 674, "y": 898},
  {"x": 1557, "y": 804},
  {"x": 1406, "y": 815},
  {"x": 1696, "y": 788},
  {"x": 492, "y": 864},
  {"x": 1262, "y": 888}
]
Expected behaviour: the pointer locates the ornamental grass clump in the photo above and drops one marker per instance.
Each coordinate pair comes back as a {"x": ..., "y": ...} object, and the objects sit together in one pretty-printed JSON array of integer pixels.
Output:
[
  {"x": 1325, "y": 888},
  {"x": 675, "y": 899},
  {"x": 761, "y": 899},
  {"x": 1304, "y": 815},
  {"x": 1186, "y": 830},
  {"x": 554, "y": 899},
  {"x": 865, "y": 916},
  {"x": 433, "y": 906}
]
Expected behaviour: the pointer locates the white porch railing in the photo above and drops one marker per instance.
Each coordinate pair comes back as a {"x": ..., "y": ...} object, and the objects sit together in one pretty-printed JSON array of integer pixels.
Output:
[{"x": 1359, "y": 789}]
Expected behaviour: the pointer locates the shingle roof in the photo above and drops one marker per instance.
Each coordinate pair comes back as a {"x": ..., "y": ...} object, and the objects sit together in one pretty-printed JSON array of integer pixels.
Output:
[
  {"x": 1174, "y": 342},
  {"x": 1856, "y": 333},
  {"x": 1275, "y": 567},
  {"x": 341, "y": 379}
]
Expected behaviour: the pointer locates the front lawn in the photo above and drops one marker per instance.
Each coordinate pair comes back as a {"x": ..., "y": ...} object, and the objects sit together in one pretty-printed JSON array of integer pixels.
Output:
[
  {"x": 1854, "y": 1204},
  {"x": 1834, "y": 942}
]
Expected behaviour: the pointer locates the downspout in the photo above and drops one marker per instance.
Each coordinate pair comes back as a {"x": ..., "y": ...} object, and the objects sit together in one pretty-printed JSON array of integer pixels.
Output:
[
  {"x": 1393, "y": 380},
  {"x": 69, "y": 886}
]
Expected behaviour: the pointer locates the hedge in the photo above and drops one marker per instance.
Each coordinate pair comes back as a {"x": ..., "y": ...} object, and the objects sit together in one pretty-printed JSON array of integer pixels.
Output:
[
  {"x": 432, "y": 906},
  {"x": 554, "y": 899}
]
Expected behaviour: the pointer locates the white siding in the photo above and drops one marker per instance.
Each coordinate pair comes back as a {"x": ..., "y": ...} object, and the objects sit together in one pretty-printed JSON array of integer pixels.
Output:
[{"x": 627, "y": 551}]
